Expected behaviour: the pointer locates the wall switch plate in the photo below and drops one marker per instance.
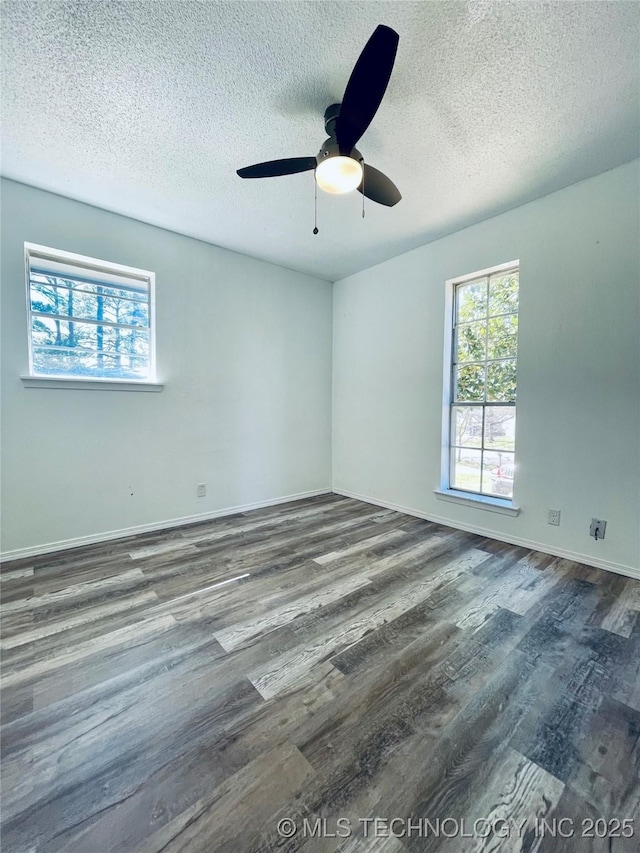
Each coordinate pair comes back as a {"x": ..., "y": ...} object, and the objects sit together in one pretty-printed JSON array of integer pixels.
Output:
[
  {"x": 202, "y": 490},
  {"x": 554, "y": 517},
  {"x": 597, "y": 529}
]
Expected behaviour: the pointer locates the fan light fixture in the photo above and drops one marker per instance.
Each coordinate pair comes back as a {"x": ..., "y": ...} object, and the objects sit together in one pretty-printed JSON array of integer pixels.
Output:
[
  {"x": 339, "y": 167},
  {"x": 339, "y": 174}
]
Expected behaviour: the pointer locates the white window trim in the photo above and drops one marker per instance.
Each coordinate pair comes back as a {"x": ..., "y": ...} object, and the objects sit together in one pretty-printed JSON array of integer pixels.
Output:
[
  {"x": 502, "y": 505},
  {"x": 95, "y": 384},
  {"x": 37, "y": 380}
]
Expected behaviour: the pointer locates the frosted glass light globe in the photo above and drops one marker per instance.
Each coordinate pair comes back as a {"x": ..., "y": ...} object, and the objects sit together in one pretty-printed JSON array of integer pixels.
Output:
[{"x": 339, "y": 174}]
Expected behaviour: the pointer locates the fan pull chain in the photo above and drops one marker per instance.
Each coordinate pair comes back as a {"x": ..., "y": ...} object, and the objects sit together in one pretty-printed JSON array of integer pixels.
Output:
[
  {"x": 315, "y": 204},
  {"x": 363, "y": 192}
]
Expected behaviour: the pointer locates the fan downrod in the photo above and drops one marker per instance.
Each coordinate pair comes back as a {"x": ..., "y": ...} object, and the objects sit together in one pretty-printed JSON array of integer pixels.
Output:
[{"x": 330, "y": 115}]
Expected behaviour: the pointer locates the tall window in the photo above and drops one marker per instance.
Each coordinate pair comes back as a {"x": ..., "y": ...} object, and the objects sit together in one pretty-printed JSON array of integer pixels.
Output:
[
  {"x": 88, "y": 318},
  {"x": 482, "y": 405}
]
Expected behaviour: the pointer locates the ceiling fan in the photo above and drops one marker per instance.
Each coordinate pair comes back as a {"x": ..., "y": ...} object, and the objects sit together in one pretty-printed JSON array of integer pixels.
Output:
[{"x": 339, "y": 166}]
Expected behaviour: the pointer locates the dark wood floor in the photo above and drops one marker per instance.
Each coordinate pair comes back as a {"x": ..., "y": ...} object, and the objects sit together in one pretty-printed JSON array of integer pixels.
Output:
[{"x": 187, "y": 691}]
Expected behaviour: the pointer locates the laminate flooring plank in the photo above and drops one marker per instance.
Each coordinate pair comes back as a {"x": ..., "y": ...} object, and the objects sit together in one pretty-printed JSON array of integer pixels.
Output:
[
  {"x": 275, "y": 616},
  {"x": 575, "y": 826},
  {"x": 389, "y": 640},
  {"x": 17, "y": 701},
  {"x": 592, "y": 748},
  {"x": 502, "y": 632},
  {"x": 359, "y": 547},
  {"x": 517, "y": 796},
  {"x": 390, "y": 696},
  {"x": 557, "y": 721},
  {"x": 622, "y": 613},
  {"x": 35, "y": 665},
  {"x": 16, "y": 591},
  {"x": 607, "y": 771},
  {"x": 182, "y": 546},
  {"x": 584, "y": 673},
  {"x": 283, "y": 674},
  {"x": 138, "y": 662},
  {"x": 44, "y": 628},
  {"x": 558, "y": 620},
  {"x": 235, "y": 809},
  {"x": 10, "y": 575},
  {"x": 349, "y": 750},
  {"x": 632, "y": 594},
  {"x": 624, "y": 675},
  {"x": 48, "y": 647},
  {"x": 60, "y": 575},
  {"x": 94, "y": 766},
  {"x": 92, "y": 591},
  {"x": 504, "y": 557},
  {"x": 466, "y": 764},
  {"x": 130, "y": 661},
  {"x": 176, "y": 786},
  {"x": 542, "y": 573},
  {"x": 391, "y": 771},
  {"x": 515, "y": 585}
]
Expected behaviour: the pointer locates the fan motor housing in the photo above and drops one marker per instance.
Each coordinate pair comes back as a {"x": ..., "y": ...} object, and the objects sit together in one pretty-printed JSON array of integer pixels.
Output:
[{"x": 330, "y": 148}]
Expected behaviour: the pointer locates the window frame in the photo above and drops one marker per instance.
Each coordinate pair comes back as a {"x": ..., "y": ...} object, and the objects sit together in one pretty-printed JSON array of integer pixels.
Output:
[
  {"x": 34, "y": 252},
  {"x": 493, "y": 503}
]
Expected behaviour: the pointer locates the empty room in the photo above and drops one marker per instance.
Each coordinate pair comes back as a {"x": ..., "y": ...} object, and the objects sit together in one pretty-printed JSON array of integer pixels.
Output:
[{"x": 320, "y": 427}]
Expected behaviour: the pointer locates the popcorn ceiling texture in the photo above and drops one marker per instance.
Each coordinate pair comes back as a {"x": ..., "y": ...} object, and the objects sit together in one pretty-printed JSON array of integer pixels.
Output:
[{"x": 148, "y": 108}]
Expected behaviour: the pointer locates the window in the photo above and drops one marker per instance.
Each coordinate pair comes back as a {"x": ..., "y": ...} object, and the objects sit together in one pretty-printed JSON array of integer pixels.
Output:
[
  {"x": 481, "y": 416},
  {"x": 88, "y": 319}
]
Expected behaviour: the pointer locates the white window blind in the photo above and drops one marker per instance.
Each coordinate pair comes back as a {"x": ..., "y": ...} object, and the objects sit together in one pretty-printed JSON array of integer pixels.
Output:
[{"x": 88, "y": 318}]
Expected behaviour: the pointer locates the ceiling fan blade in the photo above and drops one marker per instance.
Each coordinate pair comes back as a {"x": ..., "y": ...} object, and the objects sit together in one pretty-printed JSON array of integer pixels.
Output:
[
  {"x": 366, "y": 87},
  {"x": 275, "y": 168},
  {"x": 378, "y": 187}
]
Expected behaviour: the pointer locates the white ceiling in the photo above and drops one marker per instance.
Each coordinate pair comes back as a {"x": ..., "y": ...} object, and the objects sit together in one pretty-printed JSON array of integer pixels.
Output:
[{"x": 148, "y": 108}]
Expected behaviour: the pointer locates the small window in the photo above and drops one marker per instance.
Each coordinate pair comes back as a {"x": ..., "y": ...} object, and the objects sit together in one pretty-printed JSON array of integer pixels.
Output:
[
  {"x": 88, "y": 318},
  {"x": 481, "y": 422}
]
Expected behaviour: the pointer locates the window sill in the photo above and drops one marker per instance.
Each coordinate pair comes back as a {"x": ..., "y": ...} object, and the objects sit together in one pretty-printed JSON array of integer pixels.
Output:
[
  {"x": 505, "y": 507},
  {"x": 67, "y": 383}
]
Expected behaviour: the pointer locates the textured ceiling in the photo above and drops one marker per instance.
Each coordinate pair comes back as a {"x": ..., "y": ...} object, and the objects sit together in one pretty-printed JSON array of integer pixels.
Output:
[{"x": 148, "y": 108}]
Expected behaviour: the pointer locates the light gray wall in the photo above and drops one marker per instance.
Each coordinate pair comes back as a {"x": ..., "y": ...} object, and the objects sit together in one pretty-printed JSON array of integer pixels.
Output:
[
  {"x": 244, "y": 350},
  {"x": 578, "y": 371}
]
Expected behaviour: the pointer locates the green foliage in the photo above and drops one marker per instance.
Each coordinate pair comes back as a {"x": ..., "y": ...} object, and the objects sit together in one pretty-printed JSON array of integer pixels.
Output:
[
  {"x": 501, "y": 381},
  {"x": 486, "y": 331},
  {"x": 470, "y": 382},
  {"x": 503, "y": 294}
]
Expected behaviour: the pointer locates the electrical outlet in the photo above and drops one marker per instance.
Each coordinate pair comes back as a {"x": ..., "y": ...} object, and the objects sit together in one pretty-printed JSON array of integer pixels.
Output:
[
  {"x": 597, "y": 529},
  {"x": 202, "y": 490},
  {"x": 554, "y": 517}
]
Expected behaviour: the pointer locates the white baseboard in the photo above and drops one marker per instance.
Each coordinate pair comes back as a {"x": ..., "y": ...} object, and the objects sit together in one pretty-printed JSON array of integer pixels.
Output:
[
  {"x": 65, "y": 544},
  {"x": 587, "y": 559}
]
